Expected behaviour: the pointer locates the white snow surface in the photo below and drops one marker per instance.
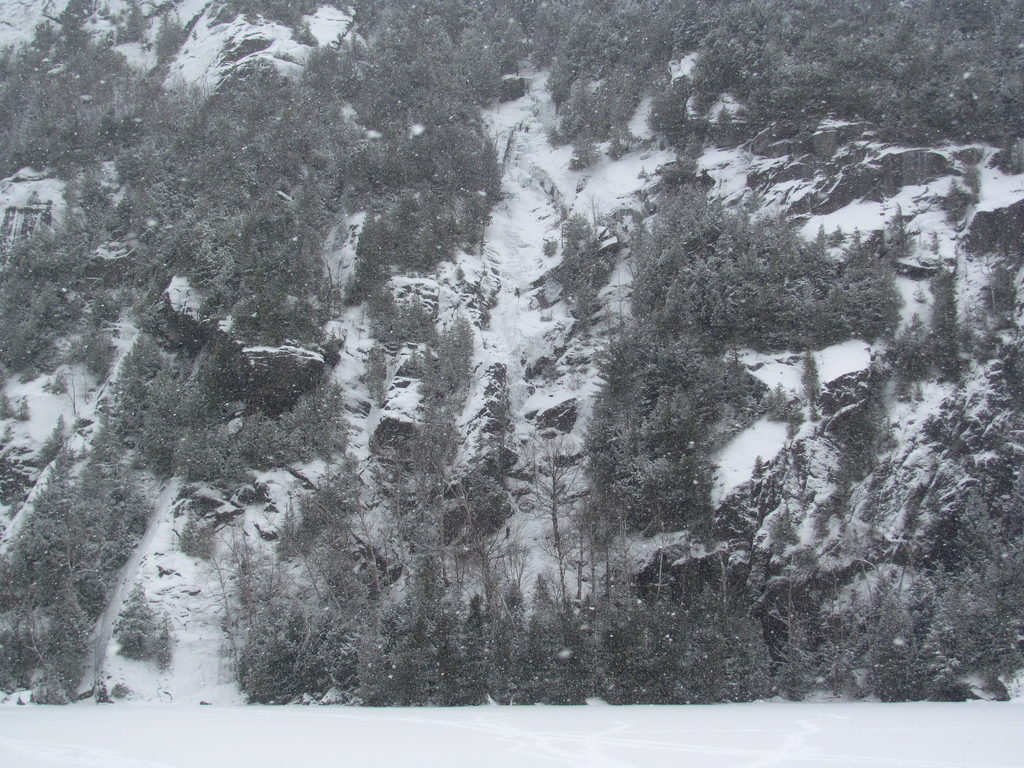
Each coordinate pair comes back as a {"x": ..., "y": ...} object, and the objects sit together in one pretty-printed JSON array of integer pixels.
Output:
[
  {"x": 639, "y": 124},
  {"x": 329, "y": 24},
  {"x": 782, "y": 735},
  {"x": 785, "y": 369},
  {"x": 19, "y": 18},
  {"x": 764, "y": 438},
  {"x": 916, "y": 295},
  {"x": 47, "y": 405},
  {"x": 184, "y": 300},
  {"x": 841, "y": 359},
  {"x": 193, "y": 596},
  {"x": 138, "y": 55},
  {"x": 682, "y": 67},
  {"x": 998, "y": 189},
  {"x": 775, "y": 370},
  {"x": 30, "y": 187}
]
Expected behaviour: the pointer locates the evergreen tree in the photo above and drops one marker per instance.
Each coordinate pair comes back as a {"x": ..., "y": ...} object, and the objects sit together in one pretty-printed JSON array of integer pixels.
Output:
[
  {"x": 812, "y": 383},
  {"x": 893, "y": 657},
  {"x": 945, "y": 327},
  {"x": 476, "y": 654},
  {"x": 137, "y": 629},
  {"x": 63, "y": 649}
]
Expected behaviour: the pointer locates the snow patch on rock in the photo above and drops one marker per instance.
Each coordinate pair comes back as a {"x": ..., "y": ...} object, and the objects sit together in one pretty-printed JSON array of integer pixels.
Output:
[
  {"x": 329, "y": 24},
  {"x": 183, "y": 299},
  {"x": 218, "y": 47},
  {"x": 763, "y": 439},
  {"x": 682, "y": 67}
]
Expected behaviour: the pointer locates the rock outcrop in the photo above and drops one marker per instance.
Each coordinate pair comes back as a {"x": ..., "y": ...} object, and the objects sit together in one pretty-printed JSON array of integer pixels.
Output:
[
  {"x": 998, "y": 229},
  {"x": 268, "y": 378}
]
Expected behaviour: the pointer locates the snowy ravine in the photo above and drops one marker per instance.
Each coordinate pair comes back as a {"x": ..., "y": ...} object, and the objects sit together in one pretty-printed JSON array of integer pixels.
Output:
[
  {"x": 978, "y": 735},
  {"x": 547, "y": 355}
]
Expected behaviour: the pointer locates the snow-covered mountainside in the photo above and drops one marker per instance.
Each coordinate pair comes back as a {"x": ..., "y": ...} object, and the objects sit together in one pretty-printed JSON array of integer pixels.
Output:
[{"x": 380, "y": 354}]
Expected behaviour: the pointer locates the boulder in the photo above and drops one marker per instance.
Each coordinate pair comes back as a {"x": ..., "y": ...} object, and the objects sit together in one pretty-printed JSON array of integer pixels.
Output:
[
  {"x": 512, "y": 88},
  {"x": 560, "y": 417},
  {"x": 918, "y": 266},
  {"x": 274, "y": 378}
]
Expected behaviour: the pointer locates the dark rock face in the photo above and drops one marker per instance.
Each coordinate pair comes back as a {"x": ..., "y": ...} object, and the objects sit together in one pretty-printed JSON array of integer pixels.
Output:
[
  {"x": 677, "y": 573},
  {"x": 267, "y": 378},
  {"x": 998, "y": 230},
  {"x": 911, "y": 166},
  {"x": 245, "y": 47},
  {"x": 841, "y": 163},
  {"x": 560, "y": 417},
  {"x": 512, "y": 88},
  {"x": 851, "y": 183},
  {"x": 273, "y": 378},
  {"x": 392, "y": 431},
  {"x": 844, "y": 391},
  {"x": 678, "y": 174},
  {"x": 824, "y": 142}
]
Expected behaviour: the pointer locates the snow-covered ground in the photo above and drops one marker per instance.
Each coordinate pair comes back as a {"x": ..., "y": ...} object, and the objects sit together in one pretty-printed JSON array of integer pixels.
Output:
[{"x": 920, "y": 735}]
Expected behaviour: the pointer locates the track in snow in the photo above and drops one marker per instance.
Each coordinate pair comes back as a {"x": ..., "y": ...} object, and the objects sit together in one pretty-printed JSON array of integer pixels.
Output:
[{"x": 782, "y": 735}]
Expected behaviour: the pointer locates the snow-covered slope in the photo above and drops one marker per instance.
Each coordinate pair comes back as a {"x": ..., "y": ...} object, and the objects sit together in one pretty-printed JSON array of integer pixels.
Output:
[
  {"x": 19, "y": 18},
  {"x": 220, "y": 43}
]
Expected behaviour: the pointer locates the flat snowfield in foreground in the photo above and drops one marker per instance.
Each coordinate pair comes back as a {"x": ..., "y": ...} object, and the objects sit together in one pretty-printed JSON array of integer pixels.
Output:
[{"x": 749, "y": 735}]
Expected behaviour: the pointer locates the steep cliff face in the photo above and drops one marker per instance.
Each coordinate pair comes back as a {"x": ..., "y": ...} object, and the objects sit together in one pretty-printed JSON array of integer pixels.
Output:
[{"x": 884, "y": 481}]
